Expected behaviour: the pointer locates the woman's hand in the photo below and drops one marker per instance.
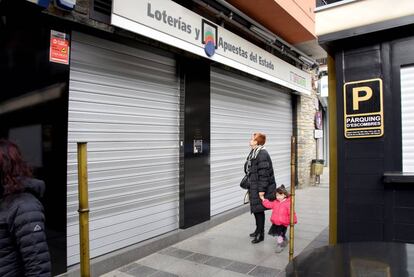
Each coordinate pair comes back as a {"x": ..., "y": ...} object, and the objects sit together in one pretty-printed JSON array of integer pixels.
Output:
[{"x": 261, "y": 195}]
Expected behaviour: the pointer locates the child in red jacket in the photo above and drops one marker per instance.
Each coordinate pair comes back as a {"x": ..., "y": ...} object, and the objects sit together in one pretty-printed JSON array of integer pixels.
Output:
[{"x": 280, "y": 216}]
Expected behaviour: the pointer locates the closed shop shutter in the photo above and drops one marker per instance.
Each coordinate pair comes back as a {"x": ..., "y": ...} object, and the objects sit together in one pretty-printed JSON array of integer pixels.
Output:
[
  {"x": 407, "y": 117},
  {"x": 124, "y": 102},
  {"x": 239, "y": 107}
]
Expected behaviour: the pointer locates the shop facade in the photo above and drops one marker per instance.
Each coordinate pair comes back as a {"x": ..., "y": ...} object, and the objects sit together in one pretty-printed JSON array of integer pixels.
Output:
[{"x": 167, "y": 101}]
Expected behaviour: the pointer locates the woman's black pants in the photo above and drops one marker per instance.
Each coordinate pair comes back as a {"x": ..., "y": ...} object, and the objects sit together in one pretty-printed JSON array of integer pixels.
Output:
[{"x": 260, "y": 220}]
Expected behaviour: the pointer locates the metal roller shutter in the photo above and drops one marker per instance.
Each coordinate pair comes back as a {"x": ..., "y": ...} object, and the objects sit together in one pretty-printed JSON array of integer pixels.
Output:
[
  {"x": 239, "y": 107},
  {"x": 407, "y": 117},
  {"x": 124, "y": 102}
]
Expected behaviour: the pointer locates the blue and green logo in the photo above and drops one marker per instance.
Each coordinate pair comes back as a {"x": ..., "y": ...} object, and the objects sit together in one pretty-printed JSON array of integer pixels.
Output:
[{"x": 209, "y": 38}]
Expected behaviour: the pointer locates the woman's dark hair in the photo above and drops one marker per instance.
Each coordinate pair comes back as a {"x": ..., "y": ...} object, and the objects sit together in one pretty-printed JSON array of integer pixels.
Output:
[
  {"x": 12, "y": 168},
  {"x": 282, "y": 190}
]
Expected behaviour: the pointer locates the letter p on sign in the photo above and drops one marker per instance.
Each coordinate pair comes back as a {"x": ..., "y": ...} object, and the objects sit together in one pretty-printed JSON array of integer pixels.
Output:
[{"x": 356, "y": 97}]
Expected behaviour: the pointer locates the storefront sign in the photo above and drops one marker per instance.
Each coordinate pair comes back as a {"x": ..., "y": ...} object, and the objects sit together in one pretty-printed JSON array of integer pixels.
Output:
[
  {"x": 59, "y": 47},
  {"x": 175, "y": 25},
  {"x": 363, "y": 109}
]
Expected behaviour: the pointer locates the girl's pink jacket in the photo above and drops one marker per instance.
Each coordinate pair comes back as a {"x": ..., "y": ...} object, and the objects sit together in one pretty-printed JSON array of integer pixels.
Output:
[{"x": 280, "y": 211}]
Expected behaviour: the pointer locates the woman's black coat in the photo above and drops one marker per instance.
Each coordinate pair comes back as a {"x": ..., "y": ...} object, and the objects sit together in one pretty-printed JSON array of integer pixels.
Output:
[
  {"x": 23, "y": 248},
  {"x": 261, "y": 179}
]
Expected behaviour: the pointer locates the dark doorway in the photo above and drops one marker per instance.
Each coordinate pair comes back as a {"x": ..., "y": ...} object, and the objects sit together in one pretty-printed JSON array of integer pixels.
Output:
[
  {"x": 33, "y": 109},
  {"x": 195, "y": 191}
]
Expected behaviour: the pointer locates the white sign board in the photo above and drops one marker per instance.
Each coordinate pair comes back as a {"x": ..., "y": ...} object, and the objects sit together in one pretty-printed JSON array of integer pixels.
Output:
[
  {"x": 175, "y": 25},
  {"x": 318, "y": 133}
]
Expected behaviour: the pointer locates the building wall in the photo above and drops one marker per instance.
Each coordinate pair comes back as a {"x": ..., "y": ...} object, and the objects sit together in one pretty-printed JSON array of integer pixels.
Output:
[
  {"x": 291, "y": 20},
  {"x": 306, "y": 144},
  {"x": 372, "y": 206},
  {"x": 354, "y": 14},
  {"x": 302, "y": 11}
]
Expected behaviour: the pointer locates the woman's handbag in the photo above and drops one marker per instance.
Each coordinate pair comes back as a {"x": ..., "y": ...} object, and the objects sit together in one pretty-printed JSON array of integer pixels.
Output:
[
  {"x": 244, "y": 184},
  {"x": 246, "y": 199}
]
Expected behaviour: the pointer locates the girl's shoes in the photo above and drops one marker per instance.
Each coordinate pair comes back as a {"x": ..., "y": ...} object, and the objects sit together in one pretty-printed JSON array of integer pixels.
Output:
[
  {"x": 281, "y": 244},
  {"x": 279, "y": 248},
  {"x": 279, "y": 239}
]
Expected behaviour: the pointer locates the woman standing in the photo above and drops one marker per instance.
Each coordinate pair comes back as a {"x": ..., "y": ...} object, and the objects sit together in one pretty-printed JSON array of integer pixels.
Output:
[
  {"x": 261, "y": 181},
  {"x": 23, "y": 248}
]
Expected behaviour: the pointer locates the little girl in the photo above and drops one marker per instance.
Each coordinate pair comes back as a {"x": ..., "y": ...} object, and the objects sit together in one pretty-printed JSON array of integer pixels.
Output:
[{"x": 280, "y": 216}]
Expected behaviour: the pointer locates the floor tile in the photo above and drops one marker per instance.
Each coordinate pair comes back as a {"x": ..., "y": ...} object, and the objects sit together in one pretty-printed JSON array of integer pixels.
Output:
[
  {"x": 276, "y": 262},
  {"x": 261, "y": 271},
  {"x": 159, "y": 261},
  {"x": 178, "y": 253},
  {"x": 167, "y": 251},
  {"x": 240, "y": 267},
  {"x": 163, "y": 274},
  {"x": 226, "y": 273},
  {"x": 116, "y": 273},
  {"x": 191, "y": 269},
  {"x": 128, "y": 267},
  {"x": 218, "y": 262},
  {"x": 198, "y": 258},
  {"x": 141, "y": 271}
]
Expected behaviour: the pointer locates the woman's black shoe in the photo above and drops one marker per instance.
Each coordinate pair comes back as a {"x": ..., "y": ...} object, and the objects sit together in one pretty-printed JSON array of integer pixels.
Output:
[
  {"x": 252, "y": 235},
  {"x": 258, "y": 238}
]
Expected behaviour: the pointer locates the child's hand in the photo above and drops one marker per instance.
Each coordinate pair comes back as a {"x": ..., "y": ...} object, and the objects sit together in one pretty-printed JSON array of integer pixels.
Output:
[{"x": 261, "y": 196}]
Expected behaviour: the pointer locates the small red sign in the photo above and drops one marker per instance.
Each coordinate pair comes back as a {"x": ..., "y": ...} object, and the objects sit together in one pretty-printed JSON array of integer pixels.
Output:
[{"x": 59, "y": 47}]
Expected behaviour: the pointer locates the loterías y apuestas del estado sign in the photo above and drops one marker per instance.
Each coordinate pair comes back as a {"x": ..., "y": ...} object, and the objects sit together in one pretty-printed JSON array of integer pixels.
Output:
[{"x": 170, "y": 23}]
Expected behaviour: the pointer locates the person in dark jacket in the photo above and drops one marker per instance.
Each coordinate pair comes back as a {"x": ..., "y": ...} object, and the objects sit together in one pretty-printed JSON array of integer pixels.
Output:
[
  {"x": 23, "y": 248},
  {"x": 261, "y": 179}
]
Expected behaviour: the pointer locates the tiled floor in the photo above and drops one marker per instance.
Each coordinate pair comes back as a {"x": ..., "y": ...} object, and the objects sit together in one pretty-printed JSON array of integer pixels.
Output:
[{"x": 225, "y": 250}]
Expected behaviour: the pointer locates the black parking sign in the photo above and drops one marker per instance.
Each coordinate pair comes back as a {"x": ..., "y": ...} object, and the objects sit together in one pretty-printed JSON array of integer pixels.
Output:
[{"x": 363, "y": 109}]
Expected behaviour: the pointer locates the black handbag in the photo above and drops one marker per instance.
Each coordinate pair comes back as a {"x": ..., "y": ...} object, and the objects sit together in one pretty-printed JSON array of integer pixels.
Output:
[{"x": 244, "y": 184}]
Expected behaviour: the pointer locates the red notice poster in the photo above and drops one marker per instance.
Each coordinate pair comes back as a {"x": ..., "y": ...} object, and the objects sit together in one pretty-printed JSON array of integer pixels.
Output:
[{"x": 59, "y": 47}]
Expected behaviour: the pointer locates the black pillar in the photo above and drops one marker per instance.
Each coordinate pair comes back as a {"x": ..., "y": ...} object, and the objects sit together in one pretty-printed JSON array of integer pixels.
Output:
[{"x": 195, "y": 181}]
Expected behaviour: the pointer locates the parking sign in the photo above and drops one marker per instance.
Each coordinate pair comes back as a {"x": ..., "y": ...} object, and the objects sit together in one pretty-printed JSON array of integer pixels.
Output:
[{"x": 363, "y": 109}]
